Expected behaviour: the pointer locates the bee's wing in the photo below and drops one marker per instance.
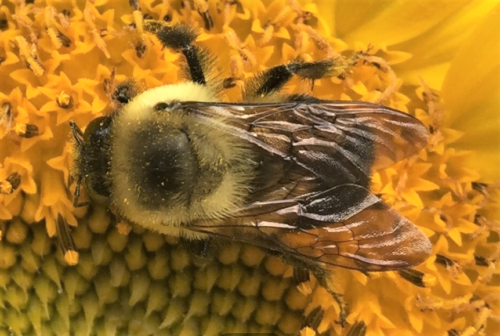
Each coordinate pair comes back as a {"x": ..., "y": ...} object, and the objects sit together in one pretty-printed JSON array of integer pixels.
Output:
[
  {"x": 344, "y": 226},
  {"x": 338, "y": 141},
  {"x": 326, "y": 214}
]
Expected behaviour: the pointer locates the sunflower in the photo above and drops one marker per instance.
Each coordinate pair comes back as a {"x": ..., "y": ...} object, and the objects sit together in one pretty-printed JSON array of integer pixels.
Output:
[{"x": 60, "y": 61}]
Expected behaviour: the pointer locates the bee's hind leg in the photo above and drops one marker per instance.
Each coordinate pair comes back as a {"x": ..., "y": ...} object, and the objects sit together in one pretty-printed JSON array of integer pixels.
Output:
[
  {"x": 315, "y": 316},
  {"x": 263, "y": 86},
  {"x": 325, "y": 280},
  {"x": 342, "y": 314}
]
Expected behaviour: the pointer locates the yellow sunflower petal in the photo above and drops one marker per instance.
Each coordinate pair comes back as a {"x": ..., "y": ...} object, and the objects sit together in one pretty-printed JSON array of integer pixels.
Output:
[
  {"x": 387, "y": 22},
  {"x": 432, "y": 51},
  {"x": 472, "y": 100}
]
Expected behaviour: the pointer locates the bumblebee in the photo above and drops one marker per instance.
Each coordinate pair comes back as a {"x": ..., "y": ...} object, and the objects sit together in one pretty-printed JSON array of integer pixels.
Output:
[{"x": 290, "y": 174}]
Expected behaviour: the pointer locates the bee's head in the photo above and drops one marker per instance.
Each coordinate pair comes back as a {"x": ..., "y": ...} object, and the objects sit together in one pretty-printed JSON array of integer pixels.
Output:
[{"x": 92, "y": 158}]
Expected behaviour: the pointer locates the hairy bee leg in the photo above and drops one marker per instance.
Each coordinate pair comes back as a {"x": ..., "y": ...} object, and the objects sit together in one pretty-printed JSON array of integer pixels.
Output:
[
  {"x": 273, "y": 79},
  {"x": 324, "y": 279},
  {"x": 342, "y": 315},
  {"x": 179, "y": 38}
]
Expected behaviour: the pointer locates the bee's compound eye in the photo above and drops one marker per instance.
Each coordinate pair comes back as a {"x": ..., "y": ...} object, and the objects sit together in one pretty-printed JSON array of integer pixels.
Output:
[
  {"x": 161, "y": 106},
  {"x": 122, "y": 97}
]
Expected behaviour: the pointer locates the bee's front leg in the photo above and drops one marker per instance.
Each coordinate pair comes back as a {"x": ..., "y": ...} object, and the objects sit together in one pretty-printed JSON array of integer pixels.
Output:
[{"x": 180, "y": 38}]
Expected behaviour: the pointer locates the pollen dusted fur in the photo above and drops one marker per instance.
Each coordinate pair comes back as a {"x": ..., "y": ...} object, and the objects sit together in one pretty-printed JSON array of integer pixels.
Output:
[{"x": 213, "y": 176}]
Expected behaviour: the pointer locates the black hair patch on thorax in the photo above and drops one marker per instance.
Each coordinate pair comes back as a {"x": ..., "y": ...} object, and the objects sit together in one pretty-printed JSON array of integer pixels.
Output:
[
  {"x": 163, "y": 167},
  {"x": 167, "y": 168}
]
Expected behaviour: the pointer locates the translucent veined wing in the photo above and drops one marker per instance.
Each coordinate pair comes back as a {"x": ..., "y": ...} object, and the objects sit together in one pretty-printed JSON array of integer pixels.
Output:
[
  {"x": 337, "y": 141},
  {"x": 320, "y": 210},
  {"x": 344, "y": 226}
]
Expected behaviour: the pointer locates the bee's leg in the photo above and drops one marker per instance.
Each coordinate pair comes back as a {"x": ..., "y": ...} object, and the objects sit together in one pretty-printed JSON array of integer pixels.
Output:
[
  {"x": 269, "y": 82},
  {"x": 180, "y": 38},
  {"x": 325, "y": 280},
  {"x": 314, "y": 318},
  {"x": 338, "y": 298}
]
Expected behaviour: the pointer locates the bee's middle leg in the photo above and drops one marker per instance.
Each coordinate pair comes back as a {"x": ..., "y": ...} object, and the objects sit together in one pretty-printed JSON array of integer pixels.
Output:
[{"x": 264, "y": 85}]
